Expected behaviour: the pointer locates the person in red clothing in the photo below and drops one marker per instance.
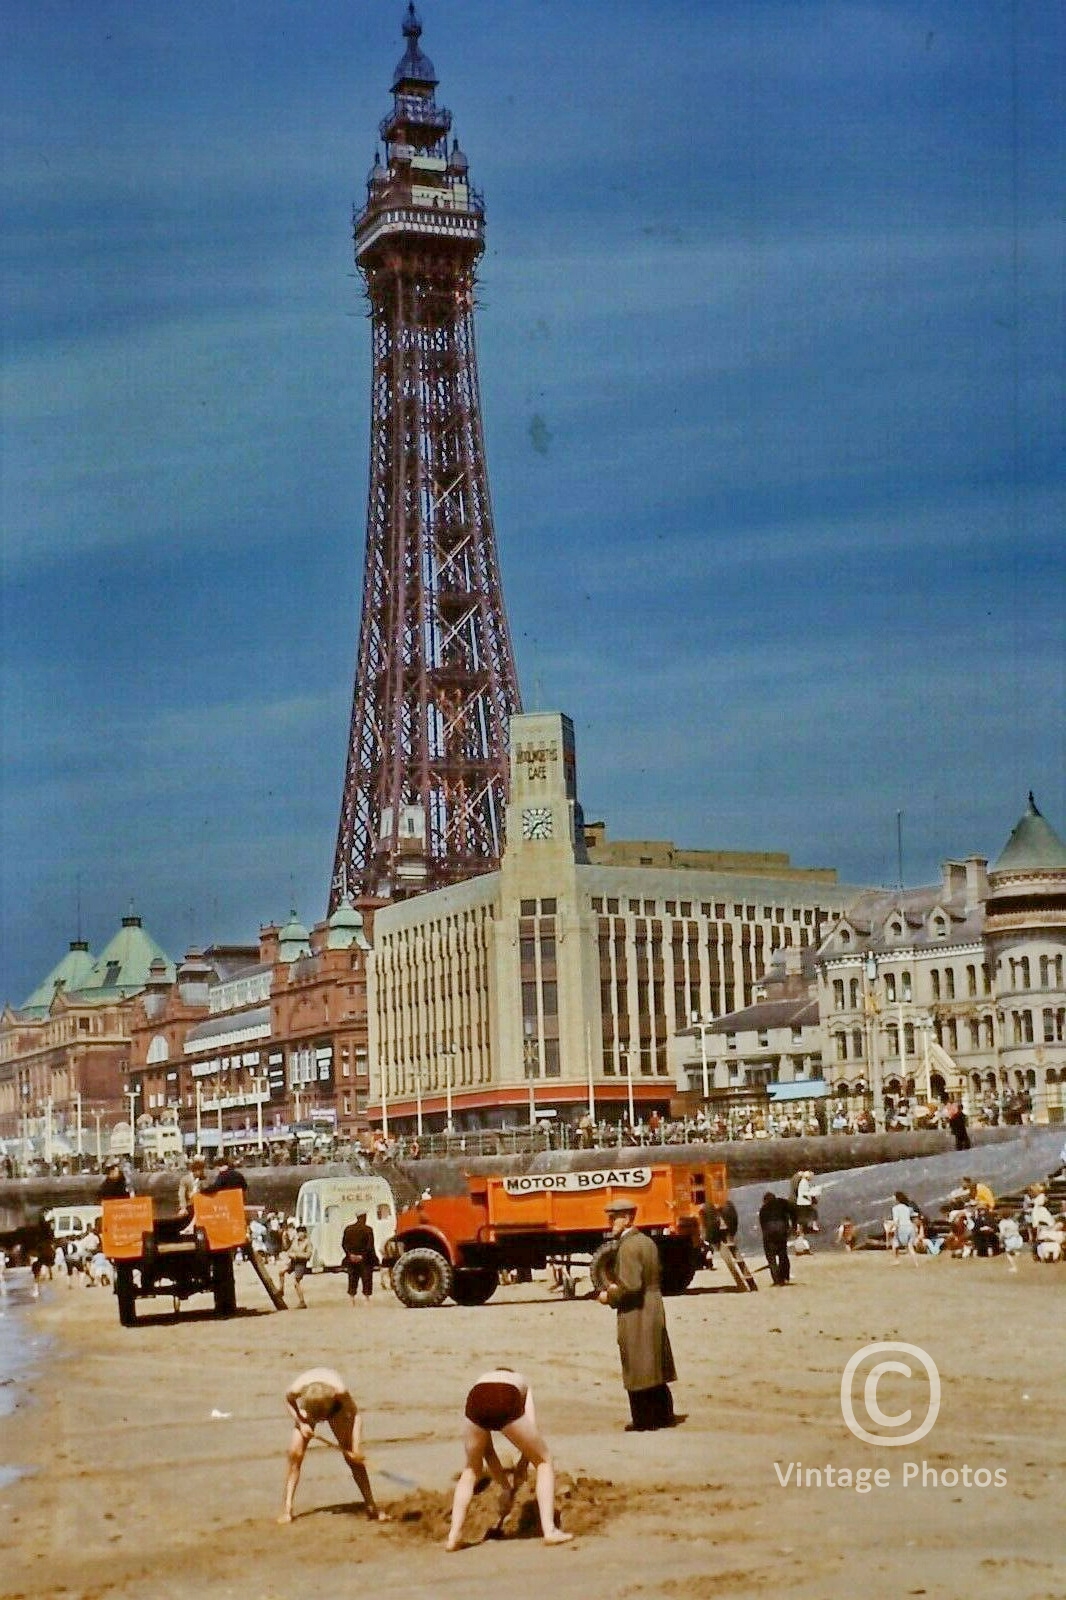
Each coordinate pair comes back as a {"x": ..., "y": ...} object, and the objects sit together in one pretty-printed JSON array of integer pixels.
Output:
[{"x": 501, "y": 1402}]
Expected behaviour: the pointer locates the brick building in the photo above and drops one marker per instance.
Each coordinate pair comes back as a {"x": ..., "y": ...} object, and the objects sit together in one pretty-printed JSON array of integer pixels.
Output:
[
  {"x": 64, "y": 1050},
  {"x": 259, "y": 1047}
]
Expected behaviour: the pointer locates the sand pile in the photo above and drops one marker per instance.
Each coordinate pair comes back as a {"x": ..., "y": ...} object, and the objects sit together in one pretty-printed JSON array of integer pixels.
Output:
[{"x": 582, "y": 1505}]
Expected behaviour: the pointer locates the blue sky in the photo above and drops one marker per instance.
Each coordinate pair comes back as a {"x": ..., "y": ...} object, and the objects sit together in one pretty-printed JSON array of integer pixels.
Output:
[{"x": 771, "y": 349}]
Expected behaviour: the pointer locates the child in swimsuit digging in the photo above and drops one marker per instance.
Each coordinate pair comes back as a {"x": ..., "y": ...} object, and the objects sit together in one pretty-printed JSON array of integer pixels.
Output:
[
  {"x": 321, "y": 1395},
  {"x": 501, "y": 1402}
]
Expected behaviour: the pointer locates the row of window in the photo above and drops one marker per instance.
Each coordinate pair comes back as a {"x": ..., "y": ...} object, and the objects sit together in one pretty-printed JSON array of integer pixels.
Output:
[
  {"x": 945, "y": 988},
  {"x": 1021, "y": 972},
  {"x": 847, "y": 994},
  {"x": 1053, "y": 1022},
  {"x": 611, "y": 905},
  {"x": 979, "y": 1034}
]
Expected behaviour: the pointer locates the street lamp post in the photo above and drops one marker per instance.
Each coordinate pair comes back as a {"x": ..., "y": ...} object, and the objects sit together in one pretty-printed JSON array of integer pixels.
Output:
[
  {"x": 629, "y": 1054},
  {"x": 449, "y": 1061},
  {"x": 132, "y": 1096},
  {"x": 259, "y": 1085},
  {"x": 77, "y": 1123},
  {"x": 48, "y": 1132},
  {"x": 703, "y": 1024},
  {"x": 926, "y": 1025},
  {"x": 383, "y": 1073},
  {"x": 904, "y": 996},
  {"x": 199, "y": 1115},
  {"x": 873, "y": 1007},
  {"x": 531, "y": 1052},
  {"x": 418, "y": 1097}
]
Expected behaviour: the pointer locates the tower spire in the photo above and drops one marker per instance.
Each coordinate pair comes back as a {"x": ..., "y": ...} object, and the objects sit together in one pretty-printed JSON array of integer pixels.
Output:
[{"x": 426, "y": 777}]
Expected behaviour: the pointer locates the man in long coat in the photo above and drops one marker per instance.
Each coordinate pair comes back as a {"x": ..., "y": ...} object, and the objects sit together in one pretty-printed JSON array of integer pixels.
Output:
[{"x": 643, "y": 1342}]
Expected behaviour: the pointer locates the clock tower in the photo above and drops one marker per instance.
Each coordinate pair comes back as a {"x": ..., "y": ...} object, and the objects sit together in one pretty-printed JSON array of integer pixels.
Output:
[
  {"x": 544, "y": 821},
  {"x": 547, "y": 957}
]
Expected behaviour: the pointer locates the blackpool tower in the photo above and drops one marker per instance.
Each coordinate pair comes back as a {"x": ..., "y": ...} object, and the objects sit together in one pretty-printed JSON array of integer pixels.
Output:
[{"x": 426, "y": 777}]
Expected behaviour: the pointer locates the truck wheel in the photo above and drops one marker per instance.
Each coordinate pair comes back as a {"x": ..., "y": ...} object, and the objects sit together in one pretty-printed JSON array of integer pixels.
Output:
[
  {"x": 223, "y": 1285},
  {"x": 678, "y": 1264},
  {"x": 472, "y": 1286},
  {"x": 422, "y": 1278},
  {"x": 126, "y": 1295},
  {"x": 149, "y": 1253},
  {"x": 602, "y": 1264}
]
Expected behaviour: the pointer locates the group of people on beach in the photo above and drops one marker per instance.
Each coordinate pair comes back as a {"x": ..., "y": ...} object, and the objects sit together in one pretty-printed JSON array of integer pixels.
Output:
[{"x": 973, "y": 1225}]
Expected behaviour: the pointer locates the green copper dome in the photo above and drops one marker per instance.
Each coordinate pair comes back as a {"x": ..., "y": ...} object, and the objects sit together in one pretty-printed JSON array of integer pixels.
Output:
[
  {"x": 1034, "y": 846},
  {"x": 124, "y": 963},
  {"x": 69, "y": 975},
  {"x": 346, "y": 928},
  {"x": 294, "y": 939}
]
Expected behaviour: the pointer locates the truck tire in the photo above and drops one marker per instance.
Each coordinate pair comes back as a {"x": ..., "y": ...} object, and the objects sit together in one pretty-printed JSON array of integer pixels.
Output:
[
  {"x": 225, "y": 1290},
  {"x": 600, "y": 1267},
  {"x": 472, "y": 1286},
  {"x": 126, "y": 1295},
  {"x": 422, "y": 1278},
  {"x": 149, "y": 1254},
  {"x": 678, "y": 1262}
]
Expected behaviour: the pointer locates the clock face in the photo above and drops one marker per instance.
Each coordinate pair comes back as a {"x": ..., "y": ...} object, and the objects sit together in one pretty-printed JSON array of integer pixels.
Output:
[{"x": 537, "y": 822}]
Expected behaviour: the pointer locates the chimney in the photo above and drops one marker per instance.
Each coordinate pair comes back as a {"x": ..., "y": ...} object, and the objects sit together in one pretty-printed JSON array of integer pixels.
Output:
[
  {"x": 268, "y": 944},
  {"x": 976, "y": 881}
]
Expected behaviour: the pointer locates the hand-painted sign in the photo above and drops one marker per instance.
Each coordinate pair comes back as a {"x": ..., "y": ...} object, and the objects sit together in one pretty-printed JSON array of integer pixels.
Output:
[{"x": 579, "y": 1182}]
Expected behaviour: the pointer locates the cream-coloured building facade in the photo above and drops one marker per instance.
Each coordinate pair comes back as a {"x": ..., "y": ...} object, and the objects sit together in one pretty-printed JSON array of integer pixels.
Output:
[
  {"x": 559, "y": 979},
  {"x": 954, "y": 989}
]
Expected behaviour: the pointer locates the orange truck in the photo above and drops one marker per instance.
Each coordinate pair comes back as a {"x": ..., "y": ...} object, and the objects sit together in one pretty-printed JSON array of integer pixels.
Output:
[
  {"x": 164, "y": 1256},
  {"x": 457, "y": 1245}
]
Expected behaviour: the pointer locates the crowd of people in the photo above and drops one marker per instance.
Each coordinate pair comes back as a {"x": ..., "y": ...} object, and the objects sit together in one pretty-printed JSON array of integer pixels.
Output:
[
  {"x": 81, "y": 1260},
  {"x": 903, "y": 1114},
  {"x": 971, "y": 1224}
]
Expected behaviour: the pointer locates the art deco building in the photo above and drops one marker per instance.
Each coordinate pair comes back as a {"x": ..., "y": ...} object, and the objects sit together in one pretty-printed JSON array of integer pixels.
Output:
[{"x": 558, "y": 979}]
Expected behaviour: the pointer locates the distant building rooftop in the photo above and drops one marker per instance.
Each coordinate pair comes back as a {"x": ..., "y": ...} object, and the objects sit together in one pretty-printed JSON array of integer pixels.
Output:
[{"x": 604, "y": 852}]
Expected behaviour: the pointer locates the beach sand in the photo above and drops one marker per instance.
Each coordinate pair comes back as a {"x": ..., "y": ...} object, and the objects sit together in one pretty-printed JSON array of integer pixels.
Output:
[{"x": 137, "y": 1492}]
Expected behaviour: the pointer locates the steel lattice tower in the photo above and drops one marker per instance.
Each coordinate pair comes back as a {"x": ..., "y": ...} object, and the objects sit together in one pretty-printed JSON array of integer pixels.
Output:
[{"x": 435, "y": 684}]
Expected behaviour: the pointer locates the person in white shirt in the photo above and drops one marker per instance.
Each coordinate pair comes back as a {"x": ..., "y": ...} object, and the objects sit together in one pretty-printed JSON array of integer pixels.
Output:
[
  {"x": 904, "y": 1230},
  {"x": 1010, "y": 1237}
]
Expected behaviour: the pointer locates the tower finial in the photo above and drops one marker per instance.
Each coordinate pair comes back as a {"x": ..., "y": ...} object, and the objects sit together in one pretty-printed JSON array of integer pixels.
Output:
[{"x": 412, "y": 22}]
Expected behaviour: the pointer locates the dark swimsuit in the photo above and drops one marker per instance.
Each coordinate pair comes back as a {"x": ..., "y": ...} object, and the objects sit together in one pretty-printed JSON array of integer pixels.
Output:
[{"x": 493, "y": 1406}]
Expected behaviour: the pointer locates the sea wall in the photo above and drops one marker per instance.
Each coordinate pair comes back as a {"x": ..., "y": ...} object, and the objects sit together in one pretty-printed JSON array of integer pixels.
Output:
[{"x": 747, "y": 1161}]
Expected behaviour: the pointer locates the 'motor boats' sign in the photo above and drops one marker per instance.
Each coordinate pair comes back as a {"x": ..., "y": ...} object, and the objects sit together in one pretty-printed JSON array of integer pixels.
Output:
[{"x": 579, "y": 1182}]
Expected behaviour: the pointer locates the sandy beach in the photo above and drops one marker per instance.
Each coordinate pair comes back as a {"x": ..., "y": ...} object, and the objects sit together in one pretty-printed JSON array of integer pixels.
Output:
[{"x": 137, "y": 1491}]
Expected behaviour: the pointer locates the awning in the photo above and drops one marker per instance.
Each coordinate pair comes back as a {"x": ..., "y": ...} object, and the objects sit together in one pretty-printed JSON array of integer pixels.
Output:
[{"x": 802, "y": 1089}]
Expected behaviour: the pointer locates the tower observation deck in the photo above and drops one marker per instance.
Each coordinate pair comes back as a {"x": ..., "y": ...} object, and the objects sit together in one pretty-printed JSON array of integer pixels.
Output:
[{"x": 426, "y": 777}]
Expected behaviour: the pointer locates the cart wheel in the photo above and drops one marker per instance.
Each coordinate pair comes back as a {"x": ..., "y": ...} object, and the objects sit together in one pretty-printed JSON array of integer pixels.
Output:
[{"x": 126, "y": 1295}]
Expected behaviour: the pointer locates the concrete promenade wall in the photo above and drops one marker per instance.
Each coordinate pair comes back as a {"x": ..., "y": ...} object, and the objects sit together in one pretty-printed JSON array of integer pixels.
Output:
[{"x": 747, "y": 1161}]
